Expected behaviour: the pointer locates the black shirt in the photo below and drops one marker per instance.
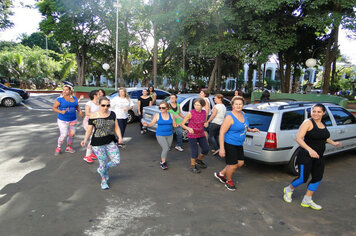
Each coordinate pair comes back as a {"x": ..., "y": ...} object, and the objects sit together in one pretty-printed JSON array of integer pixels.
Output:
[
  {"x": 104, "y": 130},
  {"x": 144, "y": 102},
  {"x": 316, "y": 138}
]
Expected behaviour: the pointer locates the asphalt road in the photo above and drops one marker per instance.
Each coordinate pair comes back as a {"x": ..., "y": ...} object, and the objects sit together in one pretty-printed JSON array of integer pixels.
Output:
[{"x": 45, "y": 195}]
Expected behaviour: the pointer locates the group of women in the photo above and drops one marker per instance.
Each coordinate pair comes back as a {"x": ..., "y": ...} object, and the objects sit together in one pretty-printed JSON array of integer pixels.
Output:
[{"x": 227, "y": 133}]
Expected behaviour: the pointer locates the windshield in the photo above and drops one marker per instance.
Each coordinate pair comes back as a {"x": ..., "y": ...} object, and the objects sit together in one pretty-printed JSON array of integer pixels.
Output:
[
  {"x": 179, "y": 99},
  {"x": 258, "y": 119}
]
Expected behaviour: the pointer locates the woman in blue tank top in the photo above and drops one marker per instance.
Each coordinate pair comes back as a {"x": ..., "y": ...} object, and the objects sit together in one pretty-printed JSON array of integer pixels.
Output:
[
  {"x": 164, "y": 132},
  {"x": 232, "y": 136}
]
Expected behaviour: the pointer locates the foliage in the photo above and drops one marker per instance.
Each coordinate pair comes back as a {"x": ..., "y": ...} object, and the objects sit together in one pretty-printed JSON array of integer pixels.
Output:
[{"x": 5, "y": 13}]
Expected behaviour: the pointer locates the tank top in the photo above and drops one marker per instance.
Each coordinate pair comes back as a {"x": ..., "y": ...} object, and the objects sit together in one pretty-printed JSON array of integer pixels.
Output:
[
  {"x": 316, "y": 138},
  {"x": 164, "y": 127},
  {"x": 196, "y": 122},
  {"x": 69, "y": 107},
  {"x": 237, "y": 132},
  {"x": 175, "y": 112}
]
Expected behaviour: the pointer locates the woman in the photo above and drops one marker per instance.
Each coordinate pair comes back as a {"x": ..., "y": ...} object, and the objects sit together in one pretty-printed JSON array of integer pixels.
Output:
[
  {"x": 103, "y": 140},
  {"x": 143, "y": 101},
  {"x": 121, "y": 104},
  {"x": 204, "y": 94},
  {"x": 174, "y": 109},
  {"x": 90, "y": 107},
  {"x": 238, "y": 93},
  {"x": 152, "y": 94},
  {"x": 164, "y": 133},
  {"x": 215, "y": 120},
  {"x": 232, "y": 136},
  {"x": 312, "y": 137},
  {"x": 101, "y": 93},
  {"x": 66, "y": 107},
  {"x": 196, "y": 118}
]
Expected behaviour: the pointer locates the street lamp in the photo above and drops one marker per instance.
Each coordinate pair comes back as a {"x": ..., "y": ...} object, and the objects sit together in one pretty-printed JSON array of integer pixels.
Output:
[
  {"x": 106, "y": 66},
  {"x": 311, "y": 62},
  {"x": 116, "y": 5}
]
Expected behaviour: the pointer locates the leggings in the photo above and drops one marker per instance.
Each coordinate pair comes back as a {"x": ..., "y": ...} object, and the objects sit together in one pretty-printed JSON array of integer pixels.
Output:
[
  {"x": 122, "y": 124},
  {"x": 165, "y": 142},
  {"x": 307, "y": 166},
  {"x": 66, "y": 130},
  {"x": 103, "y": 152},
  {"x": 193, "y": 144},
  {"x": 85, "y": 125}
]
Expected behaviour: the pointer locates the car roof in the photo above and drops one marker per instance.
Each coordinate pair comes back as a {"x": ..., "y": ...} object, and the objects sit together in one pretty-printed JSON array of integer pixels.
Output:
[{"x": 283, "y": 105}]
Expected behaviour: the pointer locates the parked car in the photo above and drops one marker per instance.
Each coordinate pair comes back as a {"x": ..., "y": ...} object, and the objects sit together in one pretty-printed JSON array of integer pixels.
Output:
[
  {"x": 134, "y": 94},
  {"x": 186, "y": 104},
  {"x": 279, "y": 123},
  {"x": 24, "y": 94},
  {"x": 9, "y": 98}
]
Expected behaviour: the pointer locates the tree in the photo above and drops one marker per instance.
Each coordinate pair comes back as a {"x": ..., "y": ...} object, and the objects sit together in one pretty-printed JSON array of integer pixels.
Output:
[
  {"x": 39, "y": 39},
  {"x": 5, "y": 13}
]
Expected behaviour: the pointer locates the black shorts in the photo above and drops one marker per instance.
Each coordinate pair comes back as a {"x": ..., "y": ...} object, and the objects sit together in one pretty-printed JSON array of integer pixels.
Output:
[{"x": 233, "y": 154}]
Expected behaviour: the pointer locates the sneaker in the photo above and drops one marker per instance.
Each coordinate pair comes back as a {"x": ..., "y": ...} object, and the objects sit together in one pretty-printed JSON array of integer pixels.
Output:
[
  {"x": 311, "y": 204},
  {"x": 221, "y": 178},
  {"x": 287, "y": 197},
  {"x": 194, "y": 169},
  {"x": 201, "y": 164},
  {"x": 88, "y": 159},
  {"x": 57, "y": 152},
  {"x": 105, "y": 174},
  {"x": 163, "y": 165},
  {"x": 179, "y": 148},
  {"x": 92, "y": 156},
  {"x": 69, "y": 149},
  {"x": 230, "y": 185},
  {"x": 104, "y": 185}
]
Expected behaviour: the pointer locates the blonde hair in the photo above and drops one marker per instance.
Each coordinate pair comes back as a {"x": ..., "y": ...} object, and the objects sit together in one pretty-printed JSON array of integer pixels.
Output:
[
  {"x": 237, "y": 98},
  {"x": 219, "y": 96},
  {"x": 126, "y": 94},
  {"x": 166, "y": 104}
]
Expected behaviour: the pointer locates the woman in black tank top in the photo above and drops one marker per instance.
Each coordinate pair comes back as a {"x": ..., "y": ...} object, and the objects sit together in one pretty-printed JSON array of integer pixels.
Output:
[{"x": 312, "y": 138}]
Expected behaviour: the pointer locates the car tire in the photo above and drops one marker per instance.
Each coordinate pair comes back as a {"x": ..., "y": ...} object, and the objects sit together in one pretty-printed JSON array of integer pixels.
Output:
[
  {"x": 130, "y": 117},
  {"x": 292, "y": 167},
  {"x": 8, "y": 102}
]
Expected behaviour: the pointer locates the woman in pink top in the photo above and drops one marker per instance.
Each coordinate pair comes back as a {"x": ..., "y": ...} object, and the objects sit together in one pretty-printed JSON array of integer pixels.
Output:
[{"x": 196, "y": 118}]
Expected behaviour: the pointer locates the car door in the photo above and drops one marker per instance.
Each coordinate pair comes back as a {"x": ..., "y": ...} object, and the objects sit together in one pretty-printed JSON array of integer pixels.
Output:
[{"x": 346, "y": 127}]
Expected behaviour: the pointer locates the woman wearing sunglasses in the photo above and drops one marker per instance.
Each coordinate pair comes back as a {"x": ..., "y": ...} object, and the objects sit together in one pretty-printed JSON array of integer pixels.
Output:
[
  {"x": 103, "y": 140},
  {"x": 164, "y": 132}
]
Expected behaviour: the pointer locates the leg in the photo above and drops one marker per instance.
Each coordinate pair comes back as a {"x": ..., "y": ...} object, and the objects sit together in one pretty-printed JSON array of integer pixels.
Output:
[
  {"x": 71, "y": 132},
  {"x": 100, "y": 152},
  {"x": 193, "y": 144},
  {"x": 179, "y": 132},
  {"x": 204, "y": 147},
  {"x": 113, "y": 152},
  {"x": 213, "y": 135},
  {"x": 122, "y": 124},
  {"x": 163, "y": 142},
  {"x": 63, "y": 132}
]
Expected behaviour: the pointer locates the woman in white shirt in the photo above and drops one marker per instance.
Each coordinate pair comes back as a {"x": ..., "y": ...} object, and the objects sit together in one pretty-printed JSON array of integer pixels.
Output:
[
  {"x": 121, "y": 104},
  {"x": 215, "y": 120}
]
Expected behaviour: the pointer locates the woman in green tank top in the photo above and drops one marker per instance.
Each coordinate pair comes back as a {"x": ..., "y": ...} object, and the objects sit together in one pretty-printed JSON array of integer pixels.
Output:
[{"x": 174, "y": 109}]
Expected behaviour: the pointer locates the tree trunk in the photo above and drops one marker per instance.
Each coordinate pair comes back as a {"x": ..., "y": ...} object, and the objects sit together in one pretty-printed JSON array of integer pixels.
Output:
[
  {"x": 263, "y": 76},
  {"x": 288, "y": 75},
  {"x": 259, "y": 74},
  {"x": 295, "y": 79},
  {"x": 81, "y": 64},
  {"x": 250, "y": 77},
  {"x": 184, "y": 84},
  {"x": 330, "y": 55},
  {"x": 155, "y": 56},
  {"x": 281, "y": 71},
  {"x": 218, "y": 78},
  {"x": 212, "y": 76},
  {"x": 121, "y": 72}
]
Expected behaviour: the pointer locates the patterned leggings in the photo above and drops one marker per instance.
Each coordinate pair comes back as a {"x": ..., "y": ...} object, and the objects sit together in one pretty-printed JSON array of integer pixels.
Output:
[
  {"x": 103, "y": 152},
  {"x": 66, "y": 130}
]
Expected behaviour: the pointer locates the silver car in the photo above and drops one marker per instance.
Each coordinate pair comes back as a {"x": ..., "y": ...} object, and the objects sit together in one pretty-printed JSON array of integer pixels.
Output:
[
  {"x": 9, "y": 98},
  {"x": 186, "y": 104},
  {"x": 279, "y": 123},
  {"x": 134, "y": 94}
]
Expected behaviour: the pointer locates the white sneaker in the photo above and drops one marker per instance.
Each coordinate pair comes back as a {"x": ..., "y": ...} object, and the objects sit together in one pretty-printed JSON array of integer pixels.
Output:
[
  {"x": 179, "y": 148},
  {"x": 287, "y": 197},
  {"x": 311, "y": 204}
]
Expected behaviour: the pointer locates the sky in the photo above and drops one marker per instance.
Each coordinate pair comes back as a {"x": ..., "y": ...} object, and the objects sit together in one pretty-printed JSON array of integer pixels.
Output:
[{"x": 27, "y": 21}]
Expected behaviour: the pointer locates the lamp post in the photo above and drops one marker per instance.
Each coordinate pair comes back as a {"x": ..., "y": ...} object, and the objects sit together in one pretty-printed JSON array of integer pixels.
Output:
[
  {"x": 116, "y": 5},
  {"x": 311, "y": 62}
]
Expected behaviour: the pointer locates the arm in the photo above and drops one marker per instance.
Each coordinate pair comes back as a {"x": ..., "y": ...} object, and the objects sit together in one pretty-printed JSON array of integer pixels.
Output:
[
  {"x": 151, "y": 102},
  {"x": 153, "y": 122},
  {"x": 87, "y": 135},
  {"x": 336, "y": 144},
  {"x": 185, "y": 120},
  {"x": 87, "y": 111},
  {"x": 303, "y": 129},
  {"x": 154, "y": 97},
  {"x": 215, "y": 112},
  {"x": 223, "y": 129},
  {"x": 118, "y": 132},
  {"x": 55, "y": 108},
  {"x": 207, "y": 107},
  {"x": 80, "y": 111},
  {"x": 253, "y": 130},
  {"x": 174, "y": 121},
  {"x": 139, "y": 106}
]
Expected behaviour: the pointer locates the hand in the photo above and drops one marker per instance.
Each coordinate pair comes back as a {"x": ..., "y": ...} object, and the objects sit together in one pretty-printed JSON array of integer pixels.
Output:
[
  {"x": 81, "y": 97},
  {"x": 222, "y": 152},
  {"x": 63, "y": 112},
  {"x": 144, "y": 123},
  {"x": 206, "y": 124},
  {"x": 313, "y": 154},
  {"x": 120, "y": 141},
  {"x": 81, "y": 114},
  {"x": 255, "y": 130},
  {"x": 337, "y": 144},
  {"x": 191, "y": 131},
  {"x": 82, "y": 143}
]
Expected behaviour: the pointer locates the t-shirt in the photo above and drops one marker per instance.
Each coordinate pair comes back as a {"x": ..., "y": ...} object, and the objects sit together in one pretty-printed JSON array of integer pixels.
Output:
[
  {"x": 220, "y": 115},
  {"x": 208, "y": 102},
  {"x": 196, "y": 122},
  {"x": 118, "y": 104},
  {"x": 92, "y": 107},
  {"x": 175, "y": 113},
  {"x": 104, "y": 130},
  {"x": 69, "y": 107},
  {"x": 144, "y": 102}
]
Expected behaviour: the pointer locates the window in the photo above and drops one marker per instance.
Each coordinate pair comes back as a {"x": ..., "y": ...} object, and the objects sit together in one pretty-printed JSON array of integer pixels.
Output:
[
  {"x": 186, "y": 105},
  {"x": 292, "y": 119},
  {"x": 135, "y": 94},
  {"x": 326, "y": 118},
  {"x": 259, "y": 120},
  {"x": 342, "y": 116},
  {"x": 162, "y": 95},
  {"x": 227, "y": 104}
]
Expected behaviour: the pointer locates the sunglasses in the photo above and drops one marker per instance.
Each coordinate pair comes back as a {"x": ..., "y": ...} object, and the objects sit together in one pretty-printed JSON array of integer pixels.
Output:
[
  {"x": 162, "y": 108},
  {"x": 105, "y": 105}
]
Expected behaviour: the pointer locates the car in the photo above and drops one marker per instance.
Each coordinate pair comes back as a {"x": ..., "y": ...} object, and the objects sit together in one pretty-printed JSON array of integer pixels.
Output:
[
  {"x": 134, "y": 94},
  {"x": 9, "y": 98},
  {"x": 186, "y": 104},
  {"x": 279, "y": 122},
  {"x": 24, "y": 94}
]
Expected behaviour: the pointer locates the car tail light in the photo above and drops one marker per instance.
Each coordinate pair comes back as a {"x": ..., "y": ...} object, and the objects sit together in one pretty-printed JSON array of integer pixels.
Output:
[{"x": 271, "y": 140}]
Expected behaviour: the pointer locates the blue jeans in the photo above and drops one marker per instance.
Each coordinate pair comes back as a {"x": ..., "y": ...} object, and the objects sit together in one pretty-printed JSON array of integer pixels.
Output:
[
  {"x": 179, "y": 132},
  {"x": 214, "y": 130}
]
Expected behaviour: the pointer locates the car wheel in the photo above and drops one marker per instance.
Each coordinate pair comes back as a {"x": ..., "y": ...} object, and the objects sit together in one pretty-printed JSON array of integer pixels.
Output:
[
  {"x": 185, "y": 137},
  {"x": 8, "y": 102},
  {"x": 292, "y": 166},
  {"x": 130, "y": 117}
]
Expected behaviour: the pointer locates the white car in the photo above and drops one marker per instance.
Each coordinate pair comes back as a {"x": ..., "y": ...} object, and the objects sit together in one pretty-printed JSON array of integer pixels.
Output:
[{"x": 9, "y": 98}]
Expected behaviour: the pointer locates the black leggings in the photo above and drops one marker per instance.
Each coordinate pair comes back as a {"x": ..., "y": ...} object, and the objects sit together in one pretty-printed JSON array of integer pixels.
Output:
[{"x": 308, "y": 165}]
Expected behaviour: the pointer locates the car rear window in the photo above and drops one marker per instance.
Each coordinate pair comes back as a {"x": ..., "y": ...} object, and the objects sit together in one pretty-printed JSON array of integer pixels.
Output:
[
  {"x": 292, "y": 119},
  {"x": 258, "y": 119}
]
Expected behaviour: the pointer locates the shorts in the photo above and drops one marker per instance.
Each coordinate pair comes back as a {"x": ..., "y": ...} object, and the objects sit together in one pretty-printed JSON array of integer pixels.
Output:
[{"x": 233, "y": 154}]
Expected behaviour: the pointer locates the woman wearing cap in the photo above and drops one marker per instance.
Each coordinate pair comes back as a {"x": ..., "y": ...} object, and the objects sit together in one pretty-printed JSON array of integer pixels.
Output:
[{"x": 66, "y": 106}]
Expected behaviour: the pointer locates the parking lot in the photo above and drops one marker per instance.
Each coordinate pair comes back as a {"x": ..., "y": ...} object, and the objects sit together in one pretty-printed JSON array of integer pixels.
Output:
[{"x": 41, "y": 194}]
